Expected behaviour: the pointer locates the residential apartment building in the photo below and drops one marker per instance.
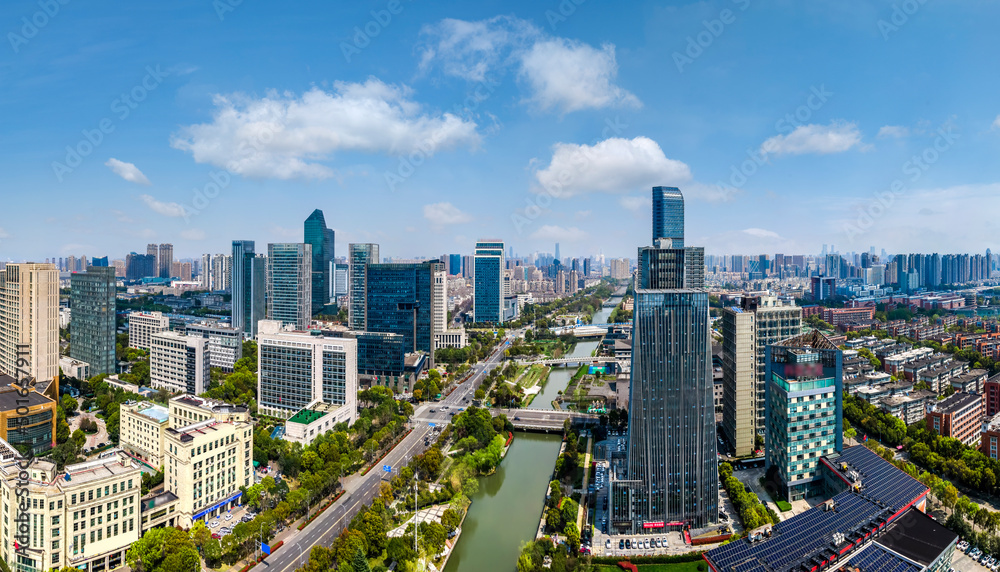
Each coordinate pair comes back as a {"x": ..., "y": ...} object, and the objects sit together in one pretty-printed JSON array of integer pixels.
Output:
[
  {"x": 179, "y": 363},
  {"x": 958, "y": 416},
  {"x": 991, "y": 393},
  {"x": 142, "y": 326},
  {"x": 92, "y": 331},
  {"x": 84, "y": 517},
  {"x": 989, "y": 440},
  {"x": 804, "y": 408},
  {"x": 29, "y": 321},
  {"x": 297, "y": 369},
  {"x": 142, "y": 426},
  {"x": 225, "y": 344}
]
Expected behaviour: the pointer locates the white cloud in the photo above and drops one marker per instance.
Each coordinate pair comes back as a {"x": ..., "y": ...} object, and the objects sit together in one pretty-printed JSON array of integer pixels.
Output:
[
  {"x": 193, "y": 234},
  {"x": 165, "y": 209},
  {"x": 614, "y": 165},
  {"x": 897, "y": 131},
  {"x": 761, "y": 233},
  {"x": 836, "y": 137},
  {"x": 996, "y": 123},
  {"x": 442, "y": 214},
  {"x": 554, "y": 233},
  {"x": 570, "y": 76},
  {"x": 636, "y": 204},
  {"x": 3, "y": 233},
  {"x": 121, "y": 216},
  {"x": 127, "y": 171},
  {"x": 559, "y": 74},
  {"x": 284, "y": 136}
]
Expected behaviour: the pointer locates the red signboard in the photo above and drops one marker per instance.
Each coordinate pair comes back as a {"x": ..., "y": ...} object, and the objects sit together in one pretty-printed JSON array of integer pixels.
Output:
[{"x": 653, "y": 524}]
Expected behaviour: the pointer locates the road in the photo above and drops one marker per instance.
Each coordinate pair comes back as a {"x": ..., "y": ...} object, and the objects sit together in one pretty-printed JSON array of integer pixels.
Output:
[{"x": 361, "y": 489}]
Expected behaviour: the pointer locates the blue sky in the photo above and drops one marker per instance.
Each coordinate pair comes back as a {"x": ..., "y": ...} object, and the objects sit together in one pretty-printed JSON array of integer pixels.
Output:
[{"x": 787, "y": 125}]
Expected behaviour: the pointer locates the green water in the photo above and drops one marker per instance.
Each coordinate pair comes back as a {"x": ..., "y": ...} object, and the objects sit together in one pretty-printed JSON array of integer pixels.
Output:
[{"x": 502, "y": 517}]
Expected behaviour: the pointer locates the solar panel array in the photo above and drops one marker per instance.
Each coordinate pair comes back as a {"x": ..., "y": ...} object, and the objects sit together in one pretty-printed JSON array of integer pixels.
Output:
[
  {"x": 806, "y": 539},
  {"x": 877, "y": 559}
]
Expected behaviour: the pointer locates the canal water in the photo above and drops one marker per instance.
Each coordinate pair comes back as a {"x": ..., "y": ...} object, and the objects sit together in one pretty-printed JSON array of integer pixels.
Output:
[
  {"x": 560, "y": 376},
  {"x": 502, "y": 517}
]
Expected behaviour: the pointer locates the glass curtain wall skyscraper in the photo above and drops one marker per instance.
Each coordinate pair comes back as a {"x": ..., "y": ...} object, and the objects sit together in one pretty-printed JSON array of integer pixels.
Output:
[
  {"x": 670, "y": 476},
  {"x": 321, "y": 238},
  {"x": 248, "y": 286},
  {"x": 92, "y": 329},
  {"x": 402, "y": 300},
  {"x": 359, "y": 256},
  {"x": 489, "y": 281},
  {"x": 668, "y": 215},
  {"x": 289, "y": 284}
]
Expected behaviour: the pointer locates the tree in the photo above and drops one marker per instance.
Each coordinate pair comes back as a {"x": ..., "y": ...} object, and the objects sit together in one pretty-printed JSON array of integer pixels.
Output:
[
  {"x": 69, "y": 404},
  {"x": 572, "y": 537},
  {"x": 79, "y": 437},
  {"x": 553, "y": 518},
  {"x": 400, "y": 550},
  {"x": 359, "y": 563},
  {"x": 163, "y": 550},
  {"x": 374, "y": 530}
]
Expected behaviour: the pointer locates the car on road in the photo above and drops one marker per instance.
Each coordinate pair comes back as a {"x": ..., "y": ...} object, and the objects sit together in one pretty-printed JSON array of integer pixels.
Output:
[
  {"x": 216, "y": 535},
  {"x": 433, "y": 411},
  {"x": 229, "y": 517},
  {"x": 213, "y": 524}
]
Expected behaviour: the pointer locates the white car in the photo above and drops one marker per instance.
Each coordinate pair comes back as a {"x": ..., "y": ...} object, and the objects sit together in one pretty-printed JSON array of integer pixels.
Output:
[
  {"x": 229, "y": 517},
  {"x": 213, "y": 524}
]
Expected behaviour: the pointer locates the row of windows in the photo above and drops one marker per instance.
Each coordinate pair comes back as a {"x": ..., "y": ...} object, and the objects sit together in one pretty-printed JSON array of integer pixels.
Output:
[{"x": 108, "y": 490}]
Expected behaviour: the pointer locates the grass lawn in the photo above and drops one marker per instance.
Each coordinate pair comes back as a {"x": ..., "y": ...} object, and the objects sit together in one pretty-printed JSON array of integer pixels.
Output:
[
  {"x": 537, "y": 374},
  {"x": 682, "y": 567}
]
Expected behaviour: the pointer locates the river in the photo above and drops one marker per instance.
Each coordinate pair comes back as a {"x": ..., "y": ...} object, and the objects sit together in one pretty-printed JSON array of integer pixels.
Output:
[
  {"x": 560, "y": 376},
  {"x": 500, "y": 519}
]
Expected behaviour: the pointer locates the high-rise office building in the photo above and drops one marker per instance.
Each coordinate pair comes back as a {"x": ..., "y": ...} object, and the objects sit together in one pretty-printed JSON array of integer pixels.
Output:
[
  {"x": 406, "y": 299},
  {"x": 92, "y": 331},
  {"x": 248, "y": 285},
  {"x": 358, "y": 258},
  {"x": 747, "y": 330},
  {"x": 321, "y": 239},
  {"x": 489, "y": 281},
  {"x": 142, "y": 326},
  {"x": 671, "y": 471},
  {"x": 668, "y": 215},
  {"x": 165, "y": 260},
  {"x": 454, "y": 264},
  {"x": 297, "y": 370},
  {"x": 804, "y": 411},
  {"x": 340, "y": 272},
  {"x": 29, "y": 321},
  {"x": 179, "y": 363},
  {"x": 289, "y": 284}
]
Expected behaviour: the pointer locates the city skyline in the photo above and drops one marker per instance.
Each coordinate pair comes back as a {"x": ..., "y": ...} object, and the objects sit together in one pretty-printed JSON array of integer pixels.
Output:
[{"x": 814, "y": 159}]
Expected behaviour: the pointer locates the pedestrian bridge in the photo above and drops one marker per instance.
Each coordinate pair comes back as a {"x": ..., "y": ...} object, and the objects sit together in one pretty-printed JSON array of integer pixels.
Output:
[
  {"x": 542, "y": 419},
  {"x": 570, "y": 360}
]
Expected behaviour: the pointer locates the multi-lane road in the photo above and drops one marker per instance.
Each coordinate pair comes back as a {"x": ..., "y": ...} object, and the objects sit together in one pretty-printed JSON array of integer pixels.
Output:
[{"x": 361, "y": 489}]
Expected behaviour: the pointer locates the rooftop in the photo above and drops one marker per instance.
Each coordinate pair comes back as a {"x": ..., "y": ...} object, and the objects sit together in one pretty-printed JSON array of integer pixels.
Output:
[
  {"x": 157, "y": 413},
  {"x": 307, "y": 416},
  {"x": 957, "y": 402},
  {"x": 917, "y": 537},
  {"x": 813, "y": 339}
]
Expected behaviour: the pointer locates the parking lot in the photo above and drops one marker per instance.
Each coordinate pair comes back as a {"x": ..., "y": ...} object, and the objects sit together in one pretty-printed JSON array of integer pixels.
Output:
[{"x": 964, "y": 563}]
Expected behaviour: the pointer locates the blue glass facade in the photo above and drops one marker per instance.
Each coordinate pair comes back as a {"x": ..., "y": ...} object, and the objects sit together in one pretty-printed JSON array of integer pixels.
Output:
[
  {"x": 488, "y": 281},
  {"x": 399, "y": 302},
  {"x": 454, "y": 264},
  {"x": 248, "y": 287},
  {"x": 668, "y": 215},
  {"x": 381, "y": 354},
  {"x": 92, "y": 299},
  {"x": 321, "y": 239}
]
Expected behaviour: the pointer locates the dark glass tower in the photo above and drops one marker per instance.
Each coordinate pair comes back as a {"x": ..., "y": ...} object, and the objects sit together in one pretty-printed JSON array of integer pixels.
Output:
[
  {"x": 92, "y": 299},
  {"x": 358, "y": 258},
  {"x": 321, "y": 239},
  {"x": 668, "y": 215},
  {"x": 400, "y": 301},
  {"x": 488, "y": 281},
  {"x": 670, "y": 476},
  {"x": 248, "y": 284}
]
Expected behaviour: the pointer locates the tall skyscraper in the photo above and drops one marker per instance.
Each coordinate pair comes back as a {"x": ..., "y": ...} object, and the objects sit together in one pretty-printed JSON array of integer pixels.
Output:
[
  {"x": 321, "y": 239},
  {"x": 92, "y": 330},
  {"x": 558, "y": 259},
  {"x": 205, "y": 273},
  {"x": 248, "y": 286},
  {"x": 339, "y": 280},
  {"x": 139, "y": 266},
  {"x": 165, "y": 260},
  {"x": 289, "y": 284},
  {"x": 29, "y": 321},
  {"x": 668, "y": 215},
  {"x": 804, "y": 397},
  {"x": 489, "y": 281},
  {"x": 359, "y": 256},
  {"x": 454, "y": 264},
  {"x": 406, "y": 299},
  {"x": 671, "y": 471}
]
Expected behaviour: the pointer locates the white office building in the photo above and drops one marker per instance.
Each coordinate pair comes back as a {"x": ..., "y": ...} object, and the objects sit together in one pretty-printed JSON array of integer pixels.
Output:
[{"x": 179, "y": 363}]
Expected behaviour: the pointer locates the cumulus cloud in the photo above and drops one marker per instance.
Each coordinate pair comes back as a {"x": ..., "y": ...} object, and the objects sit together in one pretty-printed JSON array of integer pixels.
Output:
[
  {"x": 554, "y": 233},
  {"x": 127, "y": 171},
  {"x": 836, "y": 137},
  {"x": 165, "y": 209},
  {"x": 896, "y": 131},
  {"x": 559, "y": 74},
  {"x": 3, "y": 233},
  {"x": 193, "y": 234},
  {"x": 636, "y": 204},
  {"x": 443, "y": 214},
  {"x": 996, "y": 122},
  {"x": 614, "y": 165},
  {"x": 285, "y": 136}
]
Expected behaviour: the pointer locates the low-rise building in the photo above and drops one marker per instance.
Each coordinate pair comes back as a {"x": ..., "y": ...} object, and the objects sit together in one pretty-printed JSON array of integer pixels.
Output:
[
  {"x": 142, "y": 326},
  {"x": 989, "y": 440},
  {"x": 313, "y": 421},
  {"x": 179, "y": 363},
  {"x": 972, "y": 381},
  {"x": 958, "y": 417},
  {"x": 33, "y": 427},
  {"x": 189, "y": 409},
  {"x": 141, "y": 427},
  {"x": 85, "y": 517},
  {"x": 74, "y": 368}
]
